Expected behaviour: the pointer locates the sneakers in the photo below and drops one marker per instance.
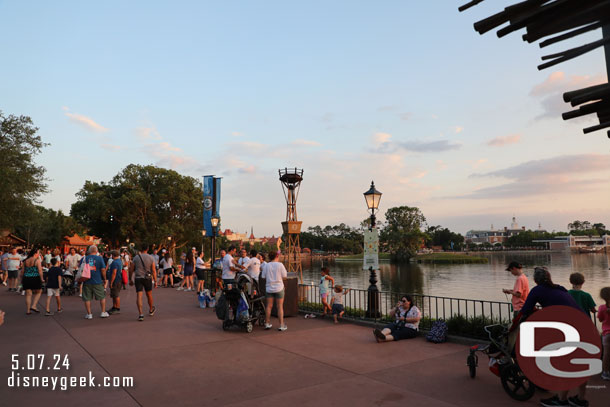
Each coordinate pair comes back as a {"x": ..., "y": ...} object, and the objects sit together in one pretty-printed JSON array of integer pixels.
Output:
[
  {"x": 113, "y": 311},
  {"x": 89, "y": 316},
  {"x": 141, "y": 318},
  {"x": 59, "y": 311},
  {"x": 268, "y": 326},
  {"x": 180, "y": 289},
  {"x": 104, "y": 315},
  {"x": 577, "y": 402},
  {"x": 282, "y": 328},
  {"x": 152, "y": 311},
  {"x": 4, "y": 283},
  {"x": 48, "y": 314},
  {"x": 606, "y": 376},
  {"x": 553, "y": 402}
]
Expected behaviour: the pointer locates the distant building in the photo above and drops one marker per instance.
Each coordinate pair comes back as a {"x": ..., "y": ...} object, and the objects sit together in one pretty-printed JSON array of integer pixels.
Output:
[
  {"x": 494, "y": 236},
  {"x": 239, "y": 239}
]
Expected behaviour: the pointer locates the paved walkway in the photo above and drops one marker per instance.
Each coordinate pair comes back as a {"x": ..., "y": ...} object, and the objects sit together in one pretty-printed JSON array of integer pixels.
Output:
[{"x": 181, "y": 356}]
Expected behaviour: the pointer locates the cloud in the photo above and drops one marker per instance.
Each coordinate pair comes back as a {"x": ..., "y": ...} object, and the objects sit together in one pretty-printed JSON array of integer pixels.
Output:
[
  {"x": 167, "y": 146},
  {"x": 147, "y": 133},
  {"x": 550, "y": 91},
  {"x": 84, "y": 121},
  {"x": 111, "y": 147},
  {"x": 458, "y": 129},
  {"x": 406, "y": 116},
  {"x": 305, "y": 143},
  {"x": 441, "y": 165},
  {"x": 327, "y": 118},
  {"x": 385, "y": 145},
  {"x": 561, "y": 165},
  {"x": 387, "y": 108},
  {"x": 504, "y": 140},
  {"x": 561, "y": 175},
  {"x": 477, "y": 163}
]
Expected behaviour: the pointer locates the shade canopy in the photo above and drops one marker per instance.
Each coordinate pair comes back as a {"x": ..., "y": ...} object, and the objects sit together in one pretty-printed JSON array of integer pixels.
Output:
[{"x": 372, "y": 197}]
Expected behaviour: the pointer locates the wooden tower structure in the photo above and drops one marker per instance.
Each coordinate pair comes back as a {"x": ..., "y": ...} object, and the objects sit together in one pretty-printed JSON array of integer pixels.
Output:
[{"x": 291, "y": 183}]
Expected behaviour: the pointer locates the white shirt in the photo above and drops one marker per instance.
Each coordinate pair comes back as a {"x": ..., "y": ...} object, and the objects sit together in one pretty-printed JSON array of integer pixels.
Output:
[
  {"x": 413, "y": 313},
  {"x": 243, "y": 261},
  {"x": 13, "y": 261},
  {"x": 73, "y": 261},
  {"x": 254, "y": 267},
  {"x": 227, "y": 263},
  {"x": 274, "y": 272},
  {"x": 166, "y": 264},
  {"x": 199, "y": 263}
]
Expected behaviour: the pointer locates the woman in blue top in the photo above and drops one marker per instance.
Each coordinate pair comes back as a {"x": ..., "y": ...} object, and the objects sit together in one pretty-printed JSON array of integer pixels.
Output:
[{"x": 32, "y": 280}]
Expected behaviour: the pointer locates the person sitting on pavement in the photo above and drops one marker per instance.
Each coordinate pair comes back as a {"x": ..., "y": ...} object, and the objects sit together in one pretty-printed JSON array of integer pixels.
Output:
[{"x": 406, "y": 323}]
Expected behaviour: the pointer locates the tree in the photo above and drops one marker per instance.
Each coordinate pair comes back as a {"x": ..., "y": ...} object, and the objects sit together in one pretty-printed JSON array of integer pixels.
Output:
[
  {"x": 21, "y": 180},
  {"x": 439, "y": 236},
  {"x": 402, "y": 235},
  {"x": 45, "y": 227},
  {"x": 146, "y": 204}
]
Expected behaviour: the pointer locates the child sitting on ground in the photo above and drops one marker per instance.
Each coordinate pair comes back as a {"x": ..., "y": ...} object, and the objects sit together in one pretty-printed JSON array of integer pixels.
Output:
[
  {"x": 582, "y": 298},
  {"x": 53, "y": 284},
  {"x": 337, "y": 302}
]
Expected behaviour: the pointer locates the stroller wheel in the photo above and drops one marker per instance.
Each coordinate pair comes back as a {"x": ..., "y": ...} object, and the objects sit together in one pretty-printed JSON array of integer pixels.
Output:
[
  {"x": 471, "y": 361},
  {"x": 261, "y": 320},
  {"x": 516, "y": 384},
  {"x": 249, "y": 327}
]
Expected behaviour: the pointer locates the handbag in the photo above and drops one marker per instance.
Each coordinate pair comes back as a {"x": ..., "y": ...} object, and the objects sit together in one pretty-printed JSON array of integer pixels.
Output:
[{"x": 84, "y": 271}]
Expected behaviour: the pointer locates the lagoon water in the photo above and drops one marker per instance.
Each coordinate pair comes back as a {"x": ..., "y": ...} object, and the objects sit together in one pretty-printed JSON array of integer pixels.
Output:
[{"x": 473, "y": 281}]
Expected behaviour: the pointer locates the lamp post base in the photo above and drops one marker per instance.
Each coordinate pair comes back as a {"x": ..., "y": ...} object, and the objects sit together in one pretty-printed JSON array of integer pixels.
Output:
[{"x": 373, "y": 297}]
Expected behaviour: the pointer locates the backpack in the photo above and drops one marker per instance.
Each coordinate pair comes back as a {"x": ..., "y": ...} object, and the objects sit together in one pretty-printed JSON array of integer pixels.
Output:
[
  {"x": 222, "y": 308},
  {"x": 438, "y": 332}
]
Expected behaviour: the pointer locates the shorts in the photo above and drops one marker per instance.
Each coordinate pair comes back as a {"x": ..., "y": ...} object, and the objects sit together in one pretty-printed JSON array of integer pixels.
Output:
[
  {"x": 115, "y": 289},
  {"x": 278, "y": 295},
  {"x": 200, "y": 274},
  {"x": 52, "y": 292},
  {"x": 188, "y": 271},
  {"x": 143, "y": 284},
  {"x": 93, "y": 291},
  {"x": 168, "y": 272},
  {"x": 337, "y": 309},
  {"x": 32, "y": 283},
  {"x": 399, "y": 333},
  {"x": 324, "y": 296},
  {"x": 13, "y": 274}
]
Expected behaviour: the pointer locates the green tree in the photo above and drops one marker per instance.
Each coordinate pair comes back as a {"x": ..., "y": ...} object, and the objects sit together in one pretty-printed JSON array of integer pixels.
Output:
[
  {"x": 21, "y": 180},
  {"x": 146, "y": 204},
  {"x": 45, "y": 227},
  {"x": 440, "y": 236},
  {"x": 402, "y": 234}
]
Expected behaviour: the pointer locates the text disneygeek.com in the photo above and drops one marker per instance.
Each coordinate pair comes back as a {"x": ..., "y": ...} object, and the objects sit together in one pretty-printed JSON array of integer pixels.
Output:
[{"x": 22, "y": 377}]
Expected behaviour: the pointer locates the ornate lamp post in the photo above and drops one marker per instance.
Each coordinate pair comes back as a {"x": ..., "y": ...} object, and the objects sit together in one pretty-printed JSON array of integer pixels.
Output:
[
  {"x": 202, "y": 240},
  {"x": 215, "y": 220},
  {"x": 372, "y": 198}
]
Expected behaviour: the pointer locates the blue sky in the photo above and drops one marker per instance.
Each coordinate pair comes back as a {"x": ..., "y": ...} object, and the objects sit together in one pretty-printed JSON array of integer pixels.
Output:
[{"x": 408, "y": 94}]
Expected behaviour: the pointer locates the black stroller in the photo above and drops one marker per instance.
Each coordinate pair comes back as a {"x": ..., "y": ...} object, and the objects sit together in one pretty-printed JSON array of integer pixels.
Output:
[
  {"x": 67, "y": 283},
  {"x": 241, "y": 304}
]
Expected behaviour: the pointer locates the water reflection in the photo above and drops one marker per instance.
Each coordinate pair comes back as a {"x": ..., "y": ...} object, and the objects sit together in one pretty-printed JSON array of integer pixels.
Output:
[{"x": 478, "y": 281}]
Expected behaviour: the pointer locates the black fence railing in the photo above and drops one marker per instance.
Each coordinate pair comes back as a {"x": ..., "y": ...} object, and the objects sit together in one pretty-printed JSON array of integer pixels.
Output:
[{"x": 431, "y": 307}]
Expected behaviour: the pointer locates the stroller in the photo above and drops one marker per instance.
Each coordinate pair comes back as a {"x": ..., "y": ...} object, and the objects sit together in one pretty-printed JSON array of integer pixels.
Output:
[
  {"x": 67, "y": 283},
  {"x": 241, "y": 304},
  {"x": 502, "y": 361}
]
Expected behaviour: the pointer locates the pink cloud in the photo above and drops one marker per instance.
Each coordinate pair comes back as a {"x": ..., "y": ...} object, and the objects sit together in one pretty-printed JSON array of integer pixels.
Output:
[{"x": 504, "y": 140}]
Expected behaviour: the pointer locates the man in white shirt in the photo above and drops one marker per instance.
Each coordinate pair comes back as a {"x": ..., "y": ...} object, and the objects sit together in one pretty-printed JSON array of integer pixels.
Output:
[
  {"x": 13, "y": 264},
  {"x": 253, "y": 265},
  {"x": 3, "y": 275},
  {"x": 72, "y": 262},
  {"x": 229, "y": 266},
  {"x": 243, "y": 257}
]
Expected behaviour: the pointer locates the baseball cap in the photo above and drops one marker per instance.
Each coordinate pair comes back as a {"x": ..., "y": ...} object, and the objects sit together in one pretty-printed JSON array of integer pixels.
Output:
[{"x": 514, "y": 264}]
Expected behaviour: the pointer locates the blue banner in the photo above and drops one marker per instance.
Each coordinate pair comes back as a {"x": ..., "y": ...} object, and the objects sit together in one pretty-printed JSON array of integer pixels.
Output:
[{"x": 211, "y": 202}]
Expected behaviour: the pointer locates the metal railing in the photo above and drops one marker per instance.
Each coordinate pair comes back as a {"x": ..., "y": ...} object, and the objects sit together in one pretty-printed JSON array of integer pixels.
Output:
[{"x": 432, "y": 307}]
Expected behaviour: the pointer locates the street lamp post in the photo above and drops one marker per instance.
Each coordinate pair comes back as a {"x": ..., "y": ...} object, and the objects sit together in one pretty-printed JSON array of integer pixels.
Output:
[
  {"x": 372, "y": 198},
  {"x": 202, "y": 240},
  {"x": 215, "y": 220}
]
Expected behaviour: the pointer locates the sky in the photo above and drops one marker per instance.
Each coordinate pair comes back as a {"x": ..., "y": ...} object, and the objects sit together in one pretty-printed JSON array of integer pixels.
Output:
[{"x": 407, "y": 94}]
